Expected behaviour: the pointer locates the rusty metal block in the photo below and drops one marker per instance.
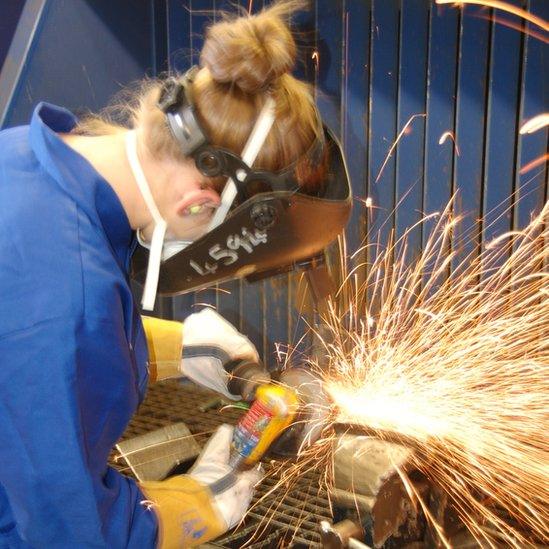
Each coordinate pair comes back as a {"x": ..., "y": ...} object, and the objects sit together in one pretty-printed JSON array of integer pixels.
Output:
[
  {"x": 397, "y": 520},
  {"x": 361, "y": 466},
  {"x": 153, "y": 455}
]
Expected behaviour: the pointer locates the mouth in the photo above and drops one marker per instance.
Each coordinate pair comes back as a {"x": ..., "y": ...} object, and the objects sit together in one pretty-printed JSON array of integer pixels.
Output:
[
  {"x": 200, "y": 202},
  {"x": 200, "y": 209}
]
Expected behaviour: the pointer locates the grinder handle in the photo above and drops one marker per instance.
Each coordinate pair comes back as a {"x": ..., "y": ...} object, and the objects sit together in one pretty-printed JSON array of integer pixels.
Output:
[{"x": 245, "y": 377}]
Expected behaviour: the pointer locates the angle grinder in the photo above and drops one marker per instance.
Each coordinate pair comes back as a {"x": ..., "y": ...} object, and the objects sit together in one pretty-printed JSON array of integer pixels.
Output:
[{"x": 286, "y": 415}]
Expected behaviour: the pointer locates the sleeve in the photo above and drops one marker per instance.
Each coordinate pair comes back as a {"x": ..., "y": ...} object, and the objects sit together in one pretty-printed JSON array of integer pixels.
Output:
[
  {"x": 165, "y": 342},
  {"x": 67, "y": 392},
  {"x": 185, "y": 511}
]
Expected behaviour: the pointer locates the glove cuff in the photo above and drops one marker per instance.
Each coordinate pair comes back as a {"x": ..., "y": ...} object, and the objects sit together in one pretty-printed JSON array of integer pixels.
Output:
[
  {"x": 165, "y": 342},
  {"x": 186, "y": 512}
]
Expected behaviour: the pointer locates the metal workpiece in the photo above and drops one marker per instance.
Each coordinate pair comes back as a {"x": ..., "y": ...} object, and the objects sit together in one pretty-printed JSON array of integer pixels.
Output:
[
  {"x": 153, "y": 455},
  {"x": 362, "y": 464},
  {"x": 344, "y": 534},
  {"x": 367, "y": 479}
]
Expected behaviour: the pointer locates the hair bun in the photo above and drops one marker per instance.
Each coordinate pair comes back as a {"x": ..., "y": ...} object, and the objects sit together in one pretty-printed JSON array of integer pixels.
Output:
[{"x": 250, "y": 52}]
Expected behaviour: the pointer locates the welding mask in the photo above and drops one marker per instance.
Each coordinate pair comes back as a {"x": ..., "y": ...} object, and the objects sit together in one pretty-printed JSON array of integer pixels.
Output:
[{"x": 265, "y": 224}]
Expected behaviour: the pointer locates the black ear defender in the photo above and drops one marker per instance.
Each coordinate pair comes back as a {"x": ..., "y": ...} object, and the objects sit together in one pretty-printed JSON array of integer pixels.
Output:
[
  {"x": 170, "y": 95},
  {"x": 177, "y": 104}
]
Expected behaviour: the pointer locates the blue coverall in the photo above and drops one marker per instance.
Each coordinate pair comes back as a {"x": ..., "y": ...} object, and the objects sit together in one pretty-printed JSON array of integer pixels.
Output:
[{"x": 72, "y": 351}]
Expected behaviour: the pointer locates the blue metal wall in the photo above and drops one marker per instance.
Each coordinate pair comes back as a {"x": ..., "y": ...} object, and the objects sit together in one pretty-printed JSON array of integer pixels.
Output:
[
  {"x": 374, "y": 65},
  {"x": 78, "y": 53},
  {"x": 9, "y": 17}
]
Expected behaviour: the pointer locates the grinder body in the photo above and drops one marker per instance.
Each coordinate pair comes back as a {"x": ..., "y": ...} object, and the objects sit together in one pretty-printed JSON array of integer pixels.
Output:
[{"x": 273, "y": 411}]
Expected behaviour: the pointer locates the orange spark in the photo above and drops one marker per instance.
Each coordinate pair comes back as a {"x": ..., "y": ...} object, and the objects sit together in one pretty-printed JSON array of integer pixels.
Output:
[
  {"x": 454, "y": 369},
  {"x": 534, "y": 164},
  {"x": 368, "y": 202},
  {"x": 316, "y": 58},
  {"x": 535, "y": 124},
  {"x": 504, "y": 6},
  {"x": 404, "y": 131},
  {"x": 457, "y": 368},
  {"x": 450, "y": 135},
  {"x": 514, "y": 26}
]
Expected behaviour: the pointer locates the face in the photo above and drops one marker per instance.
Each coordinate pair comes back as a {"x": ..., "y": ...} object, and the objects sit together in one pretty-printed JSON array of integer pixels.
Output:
[{"x": 185, "y": 198}]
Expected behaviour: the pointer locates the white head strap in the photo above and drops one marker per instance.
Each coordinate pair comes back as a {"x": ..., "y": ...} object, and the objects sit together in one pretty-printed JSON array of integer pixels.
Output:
[
  {"x": 160, "y": 226},
  {"x": 256, "y": 140}
]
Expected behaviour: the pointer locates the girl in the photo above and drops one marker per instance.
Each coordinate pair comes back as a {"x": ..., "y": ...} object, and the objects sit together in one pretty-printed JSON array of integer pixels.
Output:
[{"x": 73, "y": 368}]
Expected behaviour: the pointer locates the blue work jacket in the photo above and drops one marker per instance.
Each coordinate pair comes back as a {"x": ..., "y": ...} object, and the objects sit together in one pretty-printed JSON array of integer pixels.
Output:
[{"x": 73, "y": 356}]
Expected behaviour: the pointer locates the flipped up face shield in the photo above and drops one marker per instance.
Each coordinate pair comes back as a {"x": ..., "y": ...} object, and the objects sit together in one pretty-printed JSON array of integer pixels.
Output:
[{"x": 265, "y": 224}]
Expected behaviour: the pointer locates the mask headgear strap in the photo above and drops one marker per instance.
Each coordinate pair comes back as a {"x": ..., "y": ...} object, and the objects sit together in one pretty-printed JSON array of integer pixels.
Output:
[
  {"x": 256, "y": 140},
  {"x": 160, "y": 226}
]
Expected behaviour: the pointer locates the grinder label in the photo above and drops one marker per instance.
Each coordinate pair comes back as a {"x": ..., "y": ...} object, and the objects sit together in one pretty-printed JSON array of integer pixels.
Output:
[{"x": 250, "y": 428}]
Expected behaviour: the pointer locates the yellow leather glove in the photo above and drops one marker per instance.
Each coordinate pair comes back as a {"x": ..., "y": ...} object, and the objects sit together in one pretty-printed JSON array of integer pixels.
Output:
[
  {"x": 185, "y": 511},
  {"x": 189, "y": 512},
  {"x": 165, "y": 341},
  {"x": 199, "y": 349}
]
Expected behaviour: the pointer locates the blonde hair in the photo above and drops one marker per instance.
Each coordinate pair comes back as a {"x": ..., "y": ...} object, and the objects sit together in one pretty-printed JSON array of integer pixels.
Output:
[{"x": 243, "y": 61}]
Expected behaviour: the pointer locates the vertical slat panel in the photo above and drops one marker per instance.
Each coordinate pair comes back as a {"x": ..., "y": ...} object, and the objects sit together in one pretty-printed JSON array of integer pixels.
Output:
[
  {"x": 470, "y": 127},
  {"x": 414, "y": 20},
  {"x": 159, "y": 16},
  {"x": 441, "y": 86},
  {"x": 202, "y": 15},
  {"x": 329, "y": 22},
  {"x": 531, "y": 186},
  {"x": 300, "y": 307},
  {"x": 276, "y": 304},
  {"x": 278, "y": 310},
  {"x": 330, "y": 27},
  {"x": 179, "y": 35},
  {"x": 383, "y": 121},
  {"x": 502, "y": 130},
  {"x": 440, "y": 150},
  {"x": 355, "y": 114}
]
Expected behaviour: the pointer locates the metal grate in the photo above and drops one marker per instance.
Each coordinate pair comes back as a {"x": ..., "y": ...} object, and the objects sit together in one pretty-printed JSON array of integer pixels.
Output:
[{"x": 293, "y": 517}]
